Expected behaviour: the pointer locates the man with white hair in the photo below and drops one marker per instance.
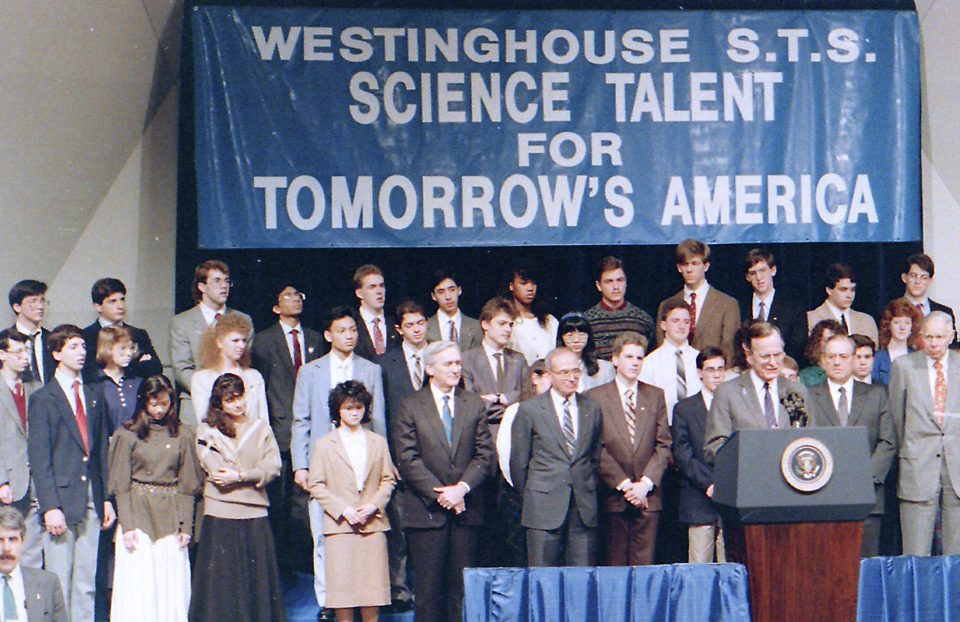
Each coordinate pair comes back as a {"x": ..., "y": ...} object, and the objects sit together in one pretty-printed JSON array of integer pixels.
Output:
[{"x": 924, "y": 401}]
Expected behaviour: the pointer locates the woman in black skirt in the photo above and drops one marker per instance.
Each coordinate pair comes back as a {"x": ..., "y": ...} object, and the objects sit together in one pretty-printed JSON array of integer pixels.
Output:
[{"x": 235, "y": 578}]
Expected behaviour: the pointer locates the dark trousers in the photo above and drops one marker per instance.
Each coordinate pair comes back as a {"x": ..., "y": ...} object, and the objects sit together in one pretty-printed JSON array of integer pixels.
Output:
[
  {"x": 629, "y": 537},
  {"x": 397, "y": 552},
  {"x": 870, "y": 542},
  {"x": 289, "y": 521},
  {"x": 672, "y": 545},
  {"x": 439, "y": 557},
  {"x": 571, "y": 544}
]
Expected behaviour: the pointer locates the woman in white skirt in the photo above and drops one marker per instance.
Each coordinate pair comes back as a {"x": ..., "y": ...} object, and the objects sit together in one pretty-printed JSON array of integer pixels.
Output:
[
  {"x": 155, "y": 477},
  {"x": 351, "y": 475}
]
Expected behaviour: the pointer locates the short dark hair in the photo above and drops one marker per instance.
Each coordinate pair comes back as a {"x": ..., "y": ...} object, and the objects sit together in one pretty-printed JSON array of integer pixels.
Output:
[
  {"x": 338, "y": 313},
  {"x": 363, "y": 272},
  {"x": 922, "y": 261},
  {"x": 61, "y": 335},
  {"x": 836, "y": 272},
  {"x": 200, "y": 274},
  {"x": 758, "y": 330},
  {"x": 609, "y": 264},
  {"x": 106, "y": 287},
  {"x": 24, "y": 289},
  {"x": 495, "y": 306},
  {"x": 11, "y": 518},
  {"x": 349, "y": 390},
  {"x": 690, "y": 248},
  {"x": 755, "y": 256},
  {"x": 407, "y": 306},
  {"x": 862, "y": 341},
  {"x": 11, "y": 334},
  {"x": 441, "y": 275},
  {"x": 672, "y": 304},
  {"x": 710, "y": 352},
  {"x": 629, "y": 338}
]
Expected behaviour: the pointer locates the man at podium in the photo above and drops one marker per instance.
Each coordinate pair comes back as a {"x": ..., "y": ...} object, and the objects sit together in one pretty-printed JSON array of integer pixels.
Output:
[{"x": 755, "y": 398}]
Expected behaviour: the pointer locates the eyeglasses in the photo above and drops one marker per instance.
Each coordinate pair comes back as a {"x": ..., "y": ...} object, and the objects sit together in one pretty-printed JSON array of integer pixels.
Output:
[
  {"x": 714, "y": 370},
  {"x": 568, "y": 373},
  {"x": 293, "y": 296}
]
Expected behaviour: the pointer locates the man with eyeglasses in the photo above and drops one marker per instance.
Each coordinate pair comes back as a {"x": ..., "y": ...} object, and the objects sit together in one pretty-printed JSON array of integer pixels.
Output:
[
  {"x": 635, "y": 453},
  {"x": 28, "y": 299},
  {"x": 843, "y": 401},
  {"x": 554, "y": 455},
  {"x": 278, "y": 352},
  {"x": 752, "y": 400},
  {"x": 916, "y": 281},
  {"x": 210, "y": 290}
]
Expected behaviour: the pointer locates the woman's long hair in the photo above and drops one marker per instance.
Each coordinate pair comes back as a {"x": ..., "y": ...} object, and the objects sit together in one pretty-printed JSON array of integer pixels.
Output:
[
  {"x": 577, "y": 322},
  {"x": 225, "y": 388},
  {"x": 151, "y": 388}
]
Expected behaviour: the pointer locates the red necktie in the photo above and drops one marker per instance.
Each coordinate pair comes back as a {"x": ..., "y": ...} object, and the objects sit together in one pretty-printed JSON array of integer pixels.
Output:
[
  {"x": 21, "y": 403},
  {"x": 939, "y": 394},
  {"x": 378, "y": 343},
  {"x": 453, "y": 332},
  {"x": 81, "y": 416},
  {"x": 693, "y": 316},
  {"x": 297, "y": 352}
]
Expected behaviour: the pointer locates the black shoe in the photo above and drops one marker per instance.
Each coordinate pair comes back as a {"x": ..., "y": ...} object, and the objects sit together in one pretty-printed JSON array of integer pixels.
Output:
[{"x": 326, "y": 615}]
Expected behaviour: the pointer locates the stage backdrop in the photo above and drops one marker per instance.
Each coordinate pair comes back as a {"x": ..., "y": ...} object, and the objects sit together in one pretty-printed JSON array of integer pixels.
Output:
[{"x": 320, "y": 128}]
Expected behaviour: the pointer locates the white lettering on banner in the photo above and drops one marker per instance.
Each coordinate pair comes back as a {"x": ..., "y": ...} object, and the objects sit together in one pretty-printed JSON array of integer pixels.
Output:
[
  {"x": 601, "y": 144},
  {"x": 714, "y": 207}
]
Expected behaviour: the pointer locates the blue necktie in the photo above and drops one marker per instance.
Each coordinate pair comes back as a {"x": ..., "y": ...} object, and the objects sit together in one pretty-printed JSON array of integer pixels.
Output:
[
  {"x": 9, "y": 605},
  {"x": 768, "y": 412},
  {"x": 447, "y": 418}
]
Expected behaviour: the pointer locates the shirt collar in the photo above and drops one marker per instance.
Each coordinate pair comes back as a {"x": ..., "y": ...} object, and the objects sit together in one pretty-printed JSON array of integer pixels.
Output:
[
  {"x": 444, "y": 320},
  {"x": 438, "y": 394},
  {"x": 758, "y": 383},
  {"x": 209, "y": 315},
  {"x": 701, "y": 291},
  {"x": 766, "y": 301},
  {"x": 622, "y": 385},
  {"x": 24, "y": 331},
  {"x": 368, "y": 317},
  {"x": 837, "y": 313},
  {"x": 408, "y": 351},
  {"x": 606, "y": 307},
  {"x": 287, "y": 328},
  {"x": 848, "y": 386},
  {"x": 486, "y": 348}
]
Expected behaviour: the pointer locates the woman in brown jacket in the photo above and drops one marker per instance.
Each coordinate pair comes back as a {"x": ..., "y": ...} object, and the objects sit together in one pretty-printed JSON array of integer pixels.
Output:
[{"x": 351, "y": 476}]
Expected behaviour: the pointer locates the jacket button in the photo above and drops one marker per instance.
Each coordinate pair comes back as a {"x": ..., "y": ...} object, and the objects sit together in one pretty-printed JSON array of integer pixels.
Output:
[
  {"x": 85, "y": 458},
  {"x": 83, "y": 478}
]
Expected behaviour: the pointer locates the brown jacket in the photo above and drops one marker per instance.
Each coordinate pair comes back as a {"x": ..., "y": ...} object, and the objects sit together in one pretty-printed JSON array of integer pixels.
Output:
[{"x": 333, "y": 482}]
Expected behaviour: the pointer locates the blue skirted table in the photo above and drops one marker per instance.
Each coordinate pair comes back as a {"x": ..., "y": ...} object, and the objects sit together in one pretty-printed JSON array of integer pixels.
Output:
[{"x": 909, "y": 589}]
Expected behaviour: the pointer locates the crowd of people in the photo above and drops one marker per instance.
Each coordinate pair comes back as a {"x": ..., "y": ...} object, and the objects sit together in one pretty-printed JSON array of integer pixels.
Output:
[{"x": 390, "y": 452}]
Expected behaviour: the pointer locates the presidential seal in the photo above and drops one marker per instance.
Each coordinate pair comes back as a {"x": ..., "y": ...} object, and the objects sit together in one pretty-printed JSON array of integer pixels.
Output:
[{"x": 806, "y": 464}]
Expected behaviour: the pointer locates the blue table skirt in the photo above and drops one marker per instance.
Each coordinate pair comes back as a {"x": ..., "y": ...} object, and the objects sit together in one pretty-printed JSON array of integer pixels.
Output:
[{"x": 909, "y": 589}]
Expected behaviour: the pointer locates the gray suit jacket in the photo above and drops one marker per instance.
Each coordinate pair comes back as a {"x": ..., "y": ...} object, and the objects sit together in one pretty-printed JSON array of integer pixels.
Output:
[
  {"x": 271, "y": 357},
  {"x": 470, "y": 332},
  {"x": 736, "y": 407},
  {"x": 718, "y": 318},
  {"x": 44, "y": 597},
  {"x": 14, "y": 465},
  {"x": 920, "y": 440},
  {"x": 311, "y": 412},
  {"x": 859, "y": 322},
  {"x": 544, "y": 473},
  {"x": 185, "y": 331},
  {"x": 868, "y": 408},
  {"x": 478, "y": 377}
]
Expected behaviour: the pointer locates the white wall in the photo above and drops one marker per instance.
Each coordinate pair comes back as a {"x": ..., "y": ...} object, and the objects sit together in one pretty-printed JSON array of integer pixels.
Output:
[{"x": 88, "y": 151}]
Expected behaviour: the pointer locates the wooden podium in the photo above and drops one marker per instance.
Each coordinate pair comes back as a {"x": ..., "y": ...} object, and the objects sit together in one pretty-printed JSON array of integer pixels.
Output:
[{"x": 793, "y": 502}]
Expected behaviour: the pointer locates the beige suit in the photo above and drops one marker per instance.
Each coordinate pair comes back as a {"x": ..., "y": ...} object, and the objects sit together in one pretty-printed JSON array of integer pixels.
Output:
[
  {"x": 859, "y": 323},
  {"x": 718, "y": 318}
]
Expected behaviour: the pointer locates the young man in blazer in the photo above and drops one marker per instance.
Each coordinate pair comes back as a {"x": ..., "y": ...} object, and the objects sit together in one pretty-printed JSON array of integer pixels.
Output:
[
  {"x": 37, "y": 596},
  {"x": 924, "y": 395},
  {"x": 636, "y": 450},
  {"x": 278, "y": 353},
  {"x": 28, "y": 299},
  {"x": 110, "y": 301},
  {"x": 210, "y": 290},
  {"x": 444, "y": 454},
  {"x": 917, "y": 279},
  {"x": 842, "y": 401},
  {"x": 840, "y": 283},
  {"x": 375, "y": 334},
  {"x": 767, "y": 304},
  {"x": 16, "y": 487},
  {"x": 449, "y": 323},
  {"x": 754, "y": 398},
  {"x": 704, "y": 536},
  {"x": 67, "y": 447},
  {"x": 715, "y": 317},
  {"x": 311, "y": 415},
  {"x": 555, "y": 451}
]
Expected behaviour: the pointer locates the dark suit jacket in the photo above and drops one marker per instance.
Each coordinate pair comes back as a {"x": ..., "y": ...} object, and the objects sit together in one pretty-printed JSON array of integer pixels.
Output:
[
  {"x": 270, "y": 355},
  {"x": 397, "y": 384},
  {"x": 138, "y": 367},
  {"x": 470, "y": 332},
  {"x": 544, "y": 473},
  {"x": 649, "y": 453},
  {"x": 365, "y": 339},
  {"x": 689, "y": 425},
  {"x": 478, "y": 377},
  {"x": 49, "y": 363},
  {"x": 868, "y": 409},
  {"x": 426, "y": 460},
  {"x": 61, "y": 469},
  {"x": 789, "y": 316},
  {"x": 718, "y": 318},
  {"x": 44, "y": 596}
]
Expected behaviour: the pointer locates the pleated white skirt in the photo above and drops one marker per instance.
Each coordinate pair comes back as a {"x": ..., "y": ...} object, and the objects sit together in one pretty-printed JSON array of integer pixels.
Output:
[{"x": 152, "y": 582}]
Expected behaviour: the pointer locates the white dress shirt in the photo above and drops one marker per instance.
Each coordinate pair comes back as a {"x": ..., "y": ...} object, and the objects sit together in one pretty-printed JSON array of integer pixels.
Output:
[
  {"x": 774, "y": 394},
  {"x": 443, "y": 321},
  {"x": 355, "y": 442},
  {"x": 368, "y": 316},
  {"x": 209, "y": 315},
  {"x": 835, "y": 395},
  {"x": 66, "y": 383},
  {"x": 839, "y": 315},
  {"x": 412, "y": 356},
  {"x": 574, "y": 411},
  {"x": 924, "y": 304},
  {"x": 491, "y": 359},
  {"x": 766, "y": 304},
  {"x": 341, "y": 370},
  {"x": 701, "y": 293},
  {"x": 660, "y": 370},
  {"x": 288, "y": 337}
]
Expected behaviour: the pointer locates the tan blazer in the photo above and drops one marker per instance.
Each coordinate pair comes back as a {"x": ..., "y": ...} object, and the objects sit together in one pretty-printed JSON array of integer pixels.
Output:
[
  {"x": 334, "y": 485},
  {"x": 859, "y": 322}
]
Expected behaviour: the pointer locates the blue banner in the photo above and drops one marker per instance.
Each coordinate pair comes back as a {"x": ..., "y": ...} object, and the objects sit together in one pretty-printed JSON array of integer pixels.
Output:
[{"x": 393, "y": 128}]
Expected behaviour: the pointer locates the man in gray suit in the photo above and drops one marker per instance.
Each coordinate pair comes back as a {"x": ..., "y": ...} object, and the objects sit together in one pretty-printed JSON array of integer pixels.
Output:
[
  {"x": 841, "y": 400},
  {"x": 925, "y": 403},
  {"x": 16, "y": 488},
  {"x": 753, "y": 399},
  {"x": 210, "y": 290},
  {"x": 311, "y": 413},
  {"x": 464, "y": 331},
  {"x": 554, "y": 457},
  {"x": 36, "y": 594}
]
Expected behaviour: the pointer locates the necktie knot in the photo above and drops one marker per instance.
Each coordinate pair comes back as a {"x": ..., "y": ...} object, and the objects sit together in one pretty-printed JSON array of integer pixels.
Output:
[
  {"x": 938, "y": 365},
  {"x": 18, "y": 389}
]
